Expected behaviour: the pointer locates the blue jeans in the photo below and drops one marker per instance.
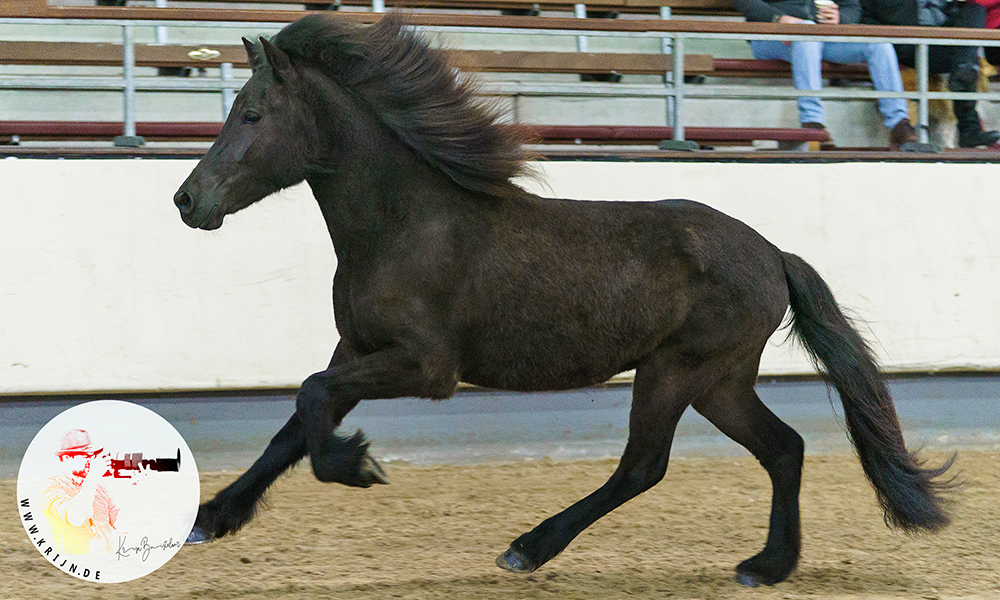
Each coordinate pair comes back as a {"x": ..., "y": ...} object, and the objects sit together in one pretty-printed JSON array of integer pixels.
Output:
[{"x": 806, "y": 58}]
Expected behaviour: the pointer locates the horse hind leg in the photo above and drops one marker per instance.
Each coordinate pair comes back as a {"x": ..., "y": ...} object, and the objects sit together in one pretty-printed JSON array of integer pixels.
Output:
[
  {"x": 657, "y": 405},
  {"x": 235, "y": 506},
  {"x": 739, "y": 413}
]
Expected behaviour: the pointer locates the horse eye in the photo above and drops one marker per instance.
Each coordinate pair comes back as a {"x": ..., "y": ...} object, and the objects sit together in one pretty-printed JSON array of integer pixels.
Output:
[{"x": 250, "y": 118}]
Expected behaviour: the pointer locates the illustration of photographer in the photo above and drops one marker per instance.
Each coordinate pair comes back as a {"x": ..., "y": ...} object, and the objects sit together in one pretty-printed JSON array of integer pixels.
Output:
[{"x": 78, "y": 508}]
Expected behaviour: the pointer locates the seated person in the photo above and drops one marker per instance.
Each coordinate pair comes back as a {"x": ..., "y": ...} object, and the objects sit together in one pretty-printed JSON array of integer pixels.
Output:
[
  {"x": 960, "y": 62},
  {"x": 806, "y": 59}
]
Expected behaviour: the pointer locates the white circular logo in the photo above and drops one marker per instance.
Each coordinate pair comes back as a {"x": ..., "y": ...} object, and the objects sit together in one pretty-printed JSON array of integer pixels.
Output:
[{"x": 108, "y": 491}]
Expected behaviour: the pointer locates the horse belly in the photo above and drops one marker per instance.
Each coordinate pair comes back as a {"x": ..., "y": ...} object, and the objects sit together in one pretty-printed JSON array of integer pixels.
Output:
[
  {"x": 554, "y": 355},
  {"x": 521, "y": 376}
]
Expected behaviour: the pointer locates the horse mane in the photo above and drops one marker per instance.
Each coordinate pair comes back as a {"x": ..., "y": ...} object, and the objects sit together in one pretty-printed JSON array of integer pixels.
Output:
[{"x": 415, "y": 92}]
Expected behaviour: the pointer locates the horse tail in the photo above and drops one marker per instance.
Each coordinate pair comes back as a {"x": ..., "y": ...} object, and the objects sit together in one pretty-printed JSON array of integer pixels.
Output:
[{"x": 910, "y": 495}]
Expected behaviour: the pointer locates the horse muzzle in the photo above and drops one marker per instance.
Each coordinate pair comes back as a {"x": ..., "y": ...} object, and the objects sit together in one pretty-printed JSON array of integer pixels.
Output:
[{"x": 197, "y": 216}]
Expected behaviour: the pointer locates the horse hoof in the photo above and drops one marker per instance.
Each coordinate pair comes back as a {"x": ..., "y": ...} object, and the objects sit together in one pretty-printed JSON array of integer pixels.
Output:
[
  {"x": 766, "y": 568},
  {"x": 372, "y": 472},
  {"x": 198, "y": 536},
  {"x": 512, "y": 560}
]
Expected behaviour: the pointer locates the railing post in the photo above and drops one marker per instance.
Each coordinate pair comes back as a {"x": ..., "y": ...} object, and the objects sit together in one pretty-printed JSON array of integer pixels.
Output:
[
  {"x": 666, "y": 47},
  {"x": 678, "y": 73},
  {"x": 161, "y": 30},
  {"x": 665, "y": 42},
  {"x": 378, "y": 6},
  {"x": 129, "y": 137},
  {"x": 228, "y": 95},
  {"x": 677, "y": 118},
  {"x": 580, "y": 12},
  {"x": 923, "y": 120}
]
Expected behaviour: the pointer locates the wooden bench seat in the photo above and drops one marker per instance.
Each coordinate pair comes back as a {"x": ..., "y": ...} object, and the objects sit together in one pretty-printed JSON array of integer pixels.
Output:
[
  {"x": 11, "y": 131},
  {"x": 681, "y": 7},
  {"x": 479, "y": 61},
  {"x": 97, "y": 131},
  {"x": 211, "y": 55},
  {"x": 707, "y": 136},
  {"x": 514, "y": 61},
  {"x": 777, "y": 69}
]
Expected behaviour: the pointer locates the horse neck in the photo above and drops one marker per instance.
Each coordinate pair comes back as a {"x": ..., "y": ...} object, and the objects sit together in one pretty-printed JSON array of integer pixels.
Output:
[{"x": 373, "y": 185}]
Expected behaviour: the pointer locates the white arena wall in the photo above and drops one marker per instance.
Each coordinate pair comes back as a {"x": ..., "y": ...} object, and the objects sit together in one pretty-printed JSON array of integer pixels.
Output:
[{"x": 103, "y": 289}]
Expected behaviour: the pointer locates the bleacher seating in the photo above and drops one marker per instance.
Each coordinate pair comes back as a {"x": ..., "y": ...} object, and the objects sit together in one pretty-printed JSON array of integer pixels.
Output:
[
  {"x": 542, "y": 134},
  {"x": 445, "y": 13},
  {"x": 173, "y": 56},
  {"x": 680, "y": 7}
]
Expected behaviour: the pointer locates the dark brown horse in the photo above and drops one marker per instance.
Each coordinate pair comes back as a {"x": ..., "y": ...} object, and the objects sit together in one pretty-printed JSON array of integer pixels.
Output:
[{"x": 447, "y": 271}]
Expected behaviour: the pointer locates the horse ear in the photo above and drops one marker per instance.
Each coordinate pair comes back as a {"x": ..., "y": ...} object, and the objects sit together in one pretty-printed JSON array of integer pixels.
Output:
[
  {"x": 278, "y": 60},
  {"x": 253, "y": 55}
]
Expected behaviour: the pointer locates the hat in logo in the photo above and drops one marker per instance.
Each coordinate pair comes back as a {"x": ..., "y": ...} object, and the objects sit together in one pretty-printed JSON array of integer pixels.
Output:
[{"x": 76, "y": 442}]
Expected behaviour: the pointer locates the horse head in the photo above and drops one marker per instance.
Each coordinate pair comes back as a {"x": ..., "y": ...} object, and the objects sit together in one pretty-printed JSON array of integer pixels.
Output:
[{"x": 255, "y": 153}]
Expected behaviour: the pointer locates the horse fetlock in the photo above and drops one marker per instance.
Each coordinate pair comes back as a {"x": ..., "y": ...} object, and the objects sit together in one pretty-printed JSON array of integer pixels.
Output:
[{"x": 336, "y": 459}]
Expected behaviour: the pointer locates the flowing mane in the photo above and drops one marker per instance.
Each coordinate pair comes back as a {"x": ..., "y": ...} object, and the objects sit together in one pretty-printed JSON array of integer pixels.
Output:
[{"x": 414, "y": 91}]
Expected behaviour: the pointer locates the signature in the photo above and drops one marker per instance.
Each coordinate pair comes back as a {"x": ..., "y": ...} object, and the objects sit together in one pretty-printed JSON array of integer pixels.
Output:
[{"x": 143, "y": 548}]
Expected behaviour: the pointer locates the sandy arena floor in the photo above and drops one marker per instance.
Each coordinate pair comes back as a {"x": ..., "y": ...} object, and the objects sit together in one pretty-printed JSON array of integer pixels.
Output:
[{"x": 435, "y": 532}]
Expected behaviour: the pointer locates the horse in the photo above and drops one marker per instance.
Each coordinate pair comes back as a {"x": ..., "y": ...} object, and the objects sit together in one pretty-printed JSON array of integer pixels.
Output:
[{"x": 448, "y": 272}]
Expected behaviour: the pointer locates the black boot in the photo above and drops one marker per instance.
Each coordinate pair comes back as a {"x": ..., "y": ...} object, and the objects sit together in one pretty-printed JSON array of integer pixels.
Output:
[
  {"x": 977, "y": 138},
  {"x": 970, "y": 128}
]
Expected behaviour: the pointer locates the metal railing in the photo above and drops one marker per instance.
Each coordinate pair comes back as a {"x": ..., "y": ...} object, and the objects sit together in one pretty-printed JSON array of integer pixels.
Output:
[{"x": 672, "y": 34}]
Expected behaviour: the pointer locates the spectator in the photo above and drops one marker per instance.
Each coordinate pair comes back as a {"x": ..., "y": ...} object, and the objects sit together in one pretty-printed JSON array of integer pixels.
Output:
[
  {"x": 806, "y": 59},
  {"x": 960, "y": 62}
]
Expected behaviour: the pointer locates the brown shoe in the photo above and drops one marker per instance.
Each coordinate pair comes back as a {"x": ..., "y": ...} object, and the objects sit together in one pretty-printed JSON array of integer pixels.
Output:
[
  {"x": 815, "y": 146},
  {"x": 902, "y": 133}
]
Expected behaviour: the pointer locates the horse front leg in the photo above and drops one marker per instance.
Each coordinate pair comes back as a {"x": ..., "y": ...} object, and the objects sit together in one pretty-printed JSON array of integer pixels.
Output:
[
  {"x": 326, "y": 397},
  {"x": 235, "y": 506}
]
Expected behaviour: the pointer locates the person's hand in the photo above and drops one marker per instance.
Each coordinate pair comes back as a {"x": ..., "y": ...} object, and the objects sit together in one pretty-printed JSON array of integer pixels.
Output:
[
  {"x": 140, "y": 475},
  {"x": 99, "y": 465},
  {"x": 829, "y": 15},
  {"x": 789, "y": 19}
]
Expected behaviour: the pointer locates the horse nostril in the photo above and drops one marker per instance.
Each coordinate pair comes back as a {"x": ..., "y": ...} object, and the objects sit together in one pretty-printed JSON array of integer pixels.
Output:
[{"x": 183, "y": 202}]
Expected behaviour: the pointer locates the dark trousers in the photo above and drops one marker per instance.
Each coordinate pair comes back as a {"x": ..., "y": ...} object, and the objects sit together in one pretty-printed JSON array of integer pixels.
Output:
[
  {"x": 992, "y": 54},
  {"x": 945, "y": 59}
]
